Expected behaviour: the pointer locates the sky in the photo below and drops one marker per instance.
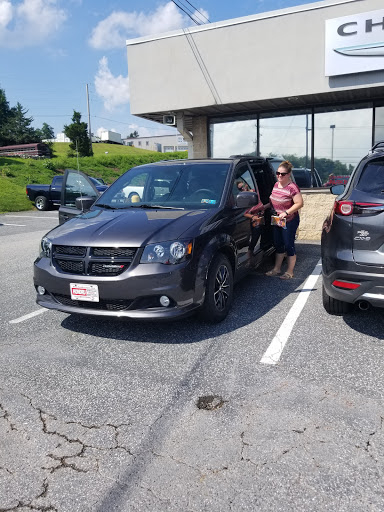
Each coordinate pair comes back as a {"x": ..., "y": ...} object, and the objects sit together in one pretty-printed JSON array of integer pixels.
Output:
[{"x": 50, "y": 50}]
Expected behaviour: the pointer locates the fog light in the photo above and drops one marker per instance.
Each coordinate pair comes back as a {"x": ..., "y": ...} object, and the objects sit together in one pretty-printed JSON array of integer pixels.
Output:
[
  {"x": 41, "y": 290},
  {"x": 164, "y": 301}
]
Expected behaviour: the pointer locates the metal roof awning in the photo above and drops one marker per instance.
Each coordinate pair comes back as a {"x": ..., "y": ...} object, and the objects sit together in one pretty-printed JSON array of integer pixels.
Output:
[{"x": 236, "y": 111}]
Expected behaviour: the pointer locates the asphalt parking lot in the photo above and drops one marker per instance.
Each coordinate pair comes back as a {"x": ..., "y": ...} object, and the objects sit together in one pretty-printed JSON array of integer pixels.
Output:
[{"x": 279, "y": 407}]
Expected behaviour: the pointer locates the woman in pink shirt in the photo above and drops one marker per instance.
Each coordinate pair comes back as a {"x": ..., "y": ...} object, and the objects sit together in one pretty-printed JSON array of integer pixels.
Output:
[{"x": 286, "y": 200}]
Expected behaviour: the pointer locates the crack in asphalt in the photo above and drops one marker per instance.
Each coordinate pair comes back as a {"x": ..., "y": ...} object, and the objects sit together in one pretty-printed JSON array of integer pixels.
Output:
[
  {"x": 29, "y": 504},
  {"x": 7, "y": 416},
  {"x": 63, "y": 461}
]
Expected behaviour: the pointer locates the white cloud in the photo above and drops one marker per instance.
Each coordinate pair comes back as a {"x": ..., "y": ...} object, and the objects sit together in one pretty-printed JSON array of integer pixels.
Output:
[
  {"x": 114, "y": 90},
  {"x": 113, "y": 31},
  {"x": 29, "y": 22},
  {"x": 6, "y": 13}
]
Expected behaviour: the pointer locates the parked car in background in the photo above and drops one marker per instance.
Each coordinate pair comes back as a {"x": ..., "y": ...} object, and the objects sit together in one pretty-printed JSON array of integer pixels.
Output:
[
  {"x": 352, "y": 242},
  {"x": 340, "y": 179},
  {"x": 172, "y": 249},
  {"x": 305, "y": 178},
  {"x": 48, "y": 196}
]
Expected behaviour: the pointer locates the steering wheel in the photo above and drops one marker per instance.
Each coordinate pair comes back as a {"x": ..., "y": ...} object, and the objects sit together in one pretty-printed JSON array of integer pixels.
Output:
[{"x": 207, "y": 191}]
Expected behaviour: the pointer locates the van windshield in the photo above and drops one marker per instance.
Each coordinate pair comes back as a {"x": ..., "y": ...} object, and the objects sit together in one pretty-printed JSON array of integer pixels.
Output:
[{"x": 190, "y": 185}]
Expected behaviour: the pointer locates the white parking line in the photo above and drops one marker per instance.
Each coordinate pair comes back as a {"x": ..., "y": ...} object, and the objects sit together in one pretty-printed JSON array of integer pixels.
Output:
[
  {"x": 275, "y": 349},
  {"x": 27, "y": 317},
  {"x": 18, "y": 225},
  {"x": 30, "y": 216}
]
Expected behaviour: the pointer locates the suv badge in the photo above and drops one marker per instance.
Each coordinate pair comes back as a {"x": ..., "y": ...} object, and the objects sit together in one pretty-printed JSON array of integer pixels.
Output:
[{"x": 362, "y": 235}]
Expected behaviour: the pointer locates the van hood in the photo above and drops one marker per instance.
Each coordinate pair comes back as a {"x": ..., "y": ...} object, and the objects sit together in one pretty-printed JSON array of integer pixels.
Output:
[{"x": 132, "y": 227}]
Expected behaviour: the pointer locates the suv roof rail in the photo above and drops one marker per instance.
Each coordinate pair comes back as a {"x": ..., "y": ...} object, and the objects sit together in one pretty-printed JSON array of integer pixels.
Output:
[{"x": 377, "y": 147}]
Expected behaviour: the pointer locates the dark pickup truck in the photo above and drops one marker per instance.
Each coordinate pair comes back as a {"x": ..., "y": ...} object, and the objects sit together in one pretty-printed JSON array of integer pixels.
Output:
[{"x": 47, "y": 196}]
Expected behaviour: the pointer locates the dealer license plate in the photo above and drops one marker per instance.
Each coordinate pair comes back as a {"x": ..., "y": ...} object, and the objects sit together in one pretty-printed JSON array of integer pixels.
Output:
[{"x": 88, "y": 292}]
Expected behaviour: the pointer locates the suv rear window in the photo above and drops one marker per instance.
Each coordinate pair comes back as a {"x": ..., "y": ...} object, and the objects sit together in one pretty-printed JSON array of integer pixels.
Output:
[{"x": 372, "y": 178}]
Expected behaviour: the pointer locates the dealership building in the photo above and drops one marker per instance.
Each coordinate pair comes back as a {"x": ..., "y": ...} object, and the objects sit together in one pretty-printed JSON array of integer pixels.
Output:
[{"x": 305, "y": 81}]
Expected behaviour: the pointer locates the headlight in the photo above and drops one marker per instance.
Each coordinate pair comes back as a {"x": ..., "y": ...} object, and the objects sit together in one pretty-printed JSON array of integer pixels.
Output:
[
  {"x": 45, "y": 248},
  {"x": 168, "y": 253}
]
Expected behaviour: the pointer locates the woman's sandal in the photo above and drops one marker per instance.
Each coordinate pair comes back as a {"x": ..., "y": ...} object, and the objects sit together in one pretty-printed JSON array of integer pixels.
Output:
[
  {"x": 286, "y": 276},
  {"x": 272, "y": 272}
]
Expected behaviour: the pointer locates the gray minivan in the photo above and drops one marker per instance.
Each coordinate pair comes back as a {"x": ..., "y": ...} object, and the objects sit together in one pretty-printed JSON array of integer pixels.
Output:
[{"x": 165, "y": 239}]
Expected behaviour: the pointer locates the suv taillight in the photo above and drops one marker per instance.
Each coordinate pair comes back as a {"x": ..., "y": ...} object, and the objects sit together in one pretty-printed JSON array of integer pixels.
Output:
[
  {"x": 344, "y": 207},
  {"x": 349, "y": 207}
]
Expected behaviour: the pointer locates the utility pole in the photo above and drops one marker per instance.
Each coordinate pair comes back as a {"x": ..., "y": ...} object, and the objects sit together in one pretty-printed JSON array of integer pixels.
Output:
[
  {"x": 89, "y": 120},
  {"x": 332, "y": 127}
]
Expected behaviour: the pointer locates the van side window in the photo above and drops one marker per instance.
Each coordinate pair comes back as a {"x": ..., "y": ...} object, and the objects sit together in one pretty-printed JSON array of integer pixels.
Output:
[{"x": 243, "y": 181}]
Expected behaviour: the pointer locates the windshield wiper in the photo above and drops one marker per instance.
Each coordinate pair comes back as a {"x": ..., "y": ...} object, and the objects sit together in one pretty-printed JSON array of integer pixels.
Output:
[
  {"x": 157, "y": 206},
  {"x": 106, "y": 206}
]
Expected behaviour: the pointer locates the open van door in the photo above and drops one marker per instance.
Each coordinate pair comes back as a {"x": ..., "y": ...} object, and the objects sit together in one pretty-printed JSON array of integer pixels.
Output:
[{"x": 78, "y": 193}]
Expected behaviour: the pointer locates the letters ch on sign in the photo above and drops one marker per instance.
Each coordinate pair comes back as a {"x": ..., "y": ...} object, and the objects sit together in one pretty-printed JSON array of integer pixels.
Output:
[
  {"x": 351, "y": 39},
  {"x": 369, "y": 24}
]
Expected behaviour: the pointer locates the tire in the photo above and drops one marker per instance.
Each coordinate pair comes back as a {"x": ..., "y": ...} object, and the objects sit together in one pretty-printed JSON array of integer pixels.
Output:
[
  {"x": 218, "y": 291},
  {"x": 334, "y": 306},
  {"x": 41, "y": 203}
]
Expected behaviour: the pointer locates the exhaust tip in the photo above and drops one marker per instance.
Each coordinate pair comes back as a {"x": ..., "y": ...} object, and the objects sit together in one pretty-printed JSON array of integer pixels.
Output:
[{"x": 363, "y": 305}]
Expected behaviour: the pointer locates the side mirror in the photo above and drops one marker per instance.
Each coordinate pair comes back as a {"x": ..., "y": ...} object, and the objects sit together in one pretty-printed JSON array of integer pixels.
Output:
[
  {"x": 337, "y": 189},
  {"x": 247, "y": 199},
  {"x": 84, "y": 203}
]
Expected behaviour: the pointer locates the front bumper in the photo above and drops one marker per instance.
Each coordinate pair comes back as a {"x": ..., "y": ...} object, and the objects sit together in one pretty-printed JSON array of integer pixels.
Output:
[{"x": 133, "y": 294}]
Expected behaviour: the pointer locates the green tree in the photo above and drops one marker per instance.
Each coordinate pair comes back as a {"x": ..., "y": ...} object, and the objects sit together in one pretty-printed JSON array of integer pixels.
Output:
[
  {"x": 5, "y": 113},
  {"x": 324, "y": 166},
  {"x": 133, "y": 135},
  {"x": 46, "y": 132},
  {"x": 19, "y": 126},
  {"x": 77, "y": 132}
]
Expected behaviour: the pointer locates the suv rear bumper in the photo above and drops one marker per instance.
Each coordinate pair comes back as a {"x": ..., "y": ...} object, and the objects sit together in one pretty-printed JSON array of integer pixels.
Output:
[{"x": 371, "y": 287}]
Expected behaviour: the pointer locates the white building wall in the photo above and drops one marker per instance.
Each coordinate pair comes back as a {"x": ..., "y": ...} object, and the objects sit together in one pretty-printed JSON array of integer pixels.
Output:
[
  {"x": 61, "y": 137},
  {"x": 273, "y": 55},
  {"x": 162, "y": 143}
]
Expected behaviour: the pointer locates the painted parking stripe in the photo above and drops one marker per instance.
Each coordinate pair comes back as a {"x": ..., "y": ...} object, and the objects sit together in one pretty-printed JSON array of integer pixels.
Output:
[
  {"x": 30, "y": 217},
  {"x": 27, "y": 317},
  {"x": 275, "y": 349},
  {"x": 18, "y": 225}
]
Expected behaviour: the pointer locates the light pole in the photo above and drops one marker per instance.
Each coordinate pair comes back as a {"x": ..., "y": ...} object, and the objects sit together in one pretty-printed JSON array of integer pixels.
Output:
[{"x": 332, "y": 127}]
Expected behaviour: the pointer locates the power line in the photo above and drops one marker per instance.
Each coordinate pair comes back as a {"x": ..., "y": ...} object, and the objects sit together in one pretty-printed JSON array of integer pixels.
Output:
[
  {"x": 187, "y": 13},
  {"x": 202, "y": 66},
  {"x": 197, "y": 10}
]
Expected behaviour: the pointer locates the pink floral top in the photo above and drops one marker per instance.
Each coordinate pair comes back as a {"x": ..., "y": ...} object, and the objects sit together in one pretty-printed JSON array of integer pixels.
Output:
[{"x": 282, "y": 198}]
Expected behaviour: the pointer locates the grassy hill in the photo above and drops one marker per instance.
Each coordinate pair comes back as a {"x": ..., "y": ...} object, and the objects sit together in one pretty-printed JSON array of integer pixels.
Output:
[{"x": 109, "y": 162}]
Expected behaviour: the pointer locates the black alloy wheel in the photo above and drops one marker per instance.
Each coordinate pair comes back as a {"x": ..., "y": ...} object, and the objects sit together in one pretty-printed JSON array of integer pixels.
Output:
[{"x": 219, "y": 290}]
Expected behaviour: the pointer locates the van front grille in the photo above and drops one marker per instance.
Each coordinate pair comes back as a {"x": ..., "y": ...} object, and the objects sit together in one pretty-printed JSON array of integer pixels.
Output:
[{"x": 92, "y": 261}]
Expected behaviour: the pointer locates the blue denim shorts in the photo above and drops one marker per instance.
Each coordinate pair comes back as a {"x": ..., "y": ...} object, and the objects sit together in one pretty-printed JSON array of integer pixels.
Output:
[{"x": 284, "y": 239}]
